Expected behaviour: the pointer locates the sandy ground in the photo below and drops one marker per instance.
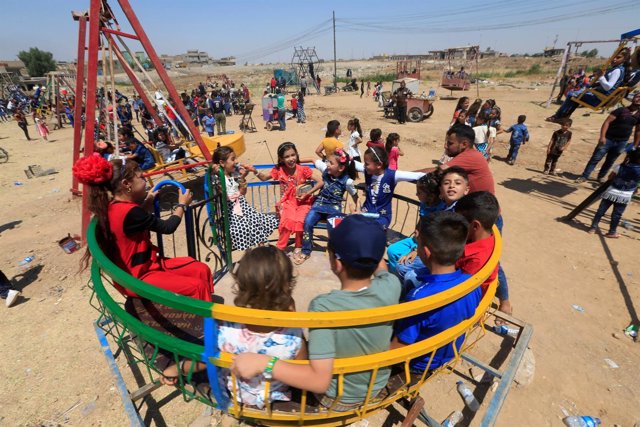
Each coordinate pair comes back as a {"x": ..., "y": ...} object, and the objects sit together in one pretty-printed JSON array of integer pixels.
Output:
[{"x": 53, "y": 370}]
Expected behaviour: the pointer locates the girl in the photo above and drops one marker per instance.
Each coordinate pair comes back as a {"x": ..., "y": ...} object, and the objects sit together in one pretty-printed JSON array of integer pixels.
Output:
[
  {"x": 473, "y": 111},
  {"x": 247, "y": 226},
  {"x": 41, "y": 125},
  {"x": 329, "y": 144},
  {"x": 463, "y": 104},
  {"x": 461, "y": 120},
  {"x": 264, "y": 281},
  {"x": 485, "y": 136},
  {"x": 494, "y": 119},
  {"x": 355, "y": 138},
  {"x": 375, "y": 138},
  {"x": 393, "y": 150},
  {"x": 625, "y": 179},
  {"x": 117, "y": 198},
  {"x": 380, "y": 182},
  {"x": 301, "y": 116},
  {"x": 338, "y": 174},
  {"x": 292, "y": 209}
]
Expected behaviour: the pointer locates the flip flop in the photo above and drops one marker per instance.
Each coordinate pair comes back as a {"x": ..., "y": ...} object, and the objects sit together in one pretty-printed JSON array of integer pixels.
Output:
[
  {"x": 612, "y": 236},
  {"x": 300, "y": 258},
  {"x": 592, "y": 231}
]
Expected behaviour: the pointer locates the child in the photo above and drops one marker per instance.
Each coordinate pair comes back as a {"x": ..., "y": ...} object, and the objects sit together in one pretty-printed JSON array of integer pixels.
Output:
[
  {"x": 461, "y": 120},
  {"x": 454, "y": 185},
  {"x": 560, "y": 141},
  {"x": 355, "y": 138},
  {"x": 118, "y": 198},
  {"x": 139, "y": 152},
  {"x": 301, "y": 115},
  {"x": 337, "y": 177},
  {"x": 356, "y": 247},
  {"x": 393, "y": 150},
  {"x": 428, "y": 193},
  {"x": 264, "y": 281},
  {"x": 441, "y": 240},
  {"x": 209, "y": 122},
  {"x": 625, "y": 182},
  {"x": 519, "y": 136},
  {"x": 485, "y": 136},
  {"x": 481, "y": 210},
  {"x": 380, "y": 183},
  {"x": 462, "y": 105},
  {"x": 248, "y": 227},
  {"x": 294, "y": 105},
  {"x": 375, "y": 138},
  {"x": 473, "y": 111},
  {"x": 41, "y": 125},
  {"x": 292, "y": 208},
  {"x": 329, "y": 144}
]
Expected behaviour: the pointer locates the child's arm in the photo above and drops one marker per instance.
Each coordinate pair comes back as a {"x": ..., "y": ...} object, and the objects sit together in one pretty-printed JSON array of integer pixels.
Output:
[
  {"x": 567, "y": 146},
  {"x": 400, "y": 152},
  {"x": 353, "y": 192},
  {"x": 408, "y": 176},
  {"x": 314, "y": 377},
  {"x": 526, "y": 136},
  {"x": 261, "y": 176},
  {"x": 320, "y": 151},
  {"x": 307, "y": 160}
]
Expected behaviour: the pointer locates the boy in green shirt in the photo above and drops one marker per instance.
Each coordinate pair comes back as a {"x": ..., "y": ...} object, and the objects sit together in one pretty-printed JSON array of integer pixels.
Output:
[{"x": 356, "y": 247}]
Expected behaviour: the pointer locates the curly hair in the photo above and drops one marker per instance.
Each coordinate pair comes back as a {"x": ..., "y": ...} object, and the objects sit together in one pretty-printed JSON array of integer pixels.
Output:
[{"x": 265, "y": 280}]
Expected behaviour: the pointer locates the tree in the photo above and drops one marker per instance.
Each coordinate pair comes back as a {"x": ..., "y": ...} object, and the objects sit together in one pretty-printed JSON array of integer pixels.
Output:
[{"x": 38, "y": 62}]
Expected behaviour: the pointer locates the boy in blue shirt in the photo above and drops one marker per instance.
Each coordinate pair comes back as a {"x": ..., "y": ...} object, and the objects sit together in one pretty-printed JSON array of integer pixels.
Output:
[
  {"x": 441, "y": 241},
  {"x": 208, "y": 121},
  {"x": 519, "y": 136}
]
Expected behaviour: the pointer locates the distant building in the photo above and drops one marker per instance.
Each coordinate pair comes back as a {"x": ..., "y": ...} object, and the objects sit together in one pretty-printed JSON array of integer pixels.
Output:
[{"x": 552, "y": 51}]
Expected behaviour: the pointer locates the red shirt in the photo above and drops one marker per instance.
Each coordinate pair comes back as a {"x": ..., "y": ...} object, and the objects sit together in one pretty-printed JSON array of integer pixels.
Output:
[
  {"x": 294, "y": 104},
  {"x": 480, "y": 177},
  {"x": 375, "y": 144},
  {"x": 475, "y": 256}
]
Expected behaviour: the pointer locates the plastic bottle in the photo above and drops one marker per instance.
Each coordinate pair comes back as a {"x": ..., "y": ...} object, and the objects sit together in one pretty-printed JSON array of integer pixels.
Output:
[
  {"x": 453, "y": 419},
  {"x": 581, "y": 421},
  {"x": 467, "y": 395},
  {"x": 505, "y": 330},
  {"x": 26, "y": 261}
]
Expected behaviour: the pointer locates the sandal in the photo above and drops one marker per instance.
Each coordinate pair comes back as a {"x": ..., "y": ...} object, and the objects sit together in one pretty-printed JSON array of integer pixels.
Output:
[
  {"x": 300, "y": 258},
  {"x": 592, "y": 230},
  {"x": 612, "y": 236}
]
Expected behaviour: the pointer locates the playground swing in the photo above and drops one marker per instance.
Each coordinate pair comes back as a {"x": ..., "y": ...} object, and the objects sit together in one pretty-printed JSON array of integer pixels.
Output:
[
  {"x": 456, "y": 80},
  {"x": 163, "y": 328},
  {"x": 611, "y": 99}
]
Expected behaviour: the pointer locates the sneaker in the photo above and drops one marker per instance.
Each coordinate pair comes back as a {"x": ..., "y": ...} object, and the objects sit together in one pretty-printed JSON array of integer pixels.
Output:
[
  {"x": 546, "y": 172},
  {"x": 12, "y": 297},
  {"x": 580, "y": 179}
]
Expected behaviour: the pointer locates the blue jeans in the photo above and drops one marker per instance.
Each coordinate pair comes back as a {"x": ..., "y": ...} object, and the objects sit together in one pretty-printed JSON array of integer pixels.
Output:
[
  {"x": 612, "y": 149},
  {"x": 569, "y": 105},
  {"x": 408, "y": 274},
  {"x": 503, "y": 287},
  {"x": 513, "y": 151},
  {"x": 310, "y": 221},
  {"x": 616, "y": 215},
  {"x": 282, "y": 119},
  {"x": 397, "y": 250}
]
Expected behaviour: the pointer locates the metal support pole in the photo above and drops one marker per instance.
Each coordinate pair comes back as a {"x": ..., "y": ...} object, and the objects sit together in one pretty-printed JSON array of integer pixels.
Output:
[
  {"x": 335, "y": 65},
  {"x": 153, "y": 56},
  {"x": 90, "y": 110},
  {"x": 77, "y": 126}
]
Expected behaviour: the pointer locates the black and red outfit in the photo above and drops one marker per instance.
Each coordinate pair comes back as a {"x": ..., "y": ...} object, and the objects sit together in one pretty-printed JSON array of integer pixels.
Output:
[{"x": 134, "y": 253}]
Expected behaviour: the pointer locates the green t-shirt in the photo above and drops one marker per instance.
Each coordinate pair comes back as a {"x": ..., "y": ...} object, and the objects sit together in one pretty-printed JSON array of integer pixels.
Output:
[
  {"x": 355, "y": 341},
  {"x": 281, "y": 102}
]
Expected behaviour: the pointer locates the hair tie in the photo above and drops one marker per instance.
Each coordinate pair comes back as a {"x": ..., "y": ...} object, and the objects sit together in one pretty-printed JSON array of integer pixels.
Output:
[{"x": 93, "y": 170}]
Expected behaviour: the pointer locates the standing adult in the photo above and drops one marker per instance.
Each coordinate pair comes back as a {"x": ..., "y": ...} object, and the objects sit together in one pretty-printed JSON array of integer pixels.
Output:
[
  {"x": 217, "y": 106},
  {"x": 400, "y": 97},
  {"x": 303, "y": 85},
  {"x": 282, "y": 111},
  {"x": 614, "y": 136},
  {"x": 21, "y": 119}
]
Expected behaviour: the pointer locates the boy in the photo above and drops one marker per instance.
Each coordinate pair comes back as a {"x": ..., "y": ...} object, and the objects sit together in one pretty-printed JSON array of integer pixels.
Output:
[
  {"x": 294, "y": 105},
  {"x": 139, "y": 152},
  {"x": 454, "y": 185},
  {"x": 481, "y": 210},
  {"x": 428, "y": 193},
  {"x": 375, "y": 138},
  {"x": 519, "y": 136},
  {"x": 441, "y": 241},
  {"x": 208, "y": 122},
  {"x": 356, "y": 247},
  {"x": 560, "y": 141}
]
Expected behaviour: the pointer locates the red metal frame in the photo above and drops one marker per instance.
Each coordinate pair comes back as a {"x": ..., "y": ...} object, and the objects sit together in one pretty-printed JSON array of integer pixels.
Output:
[{"x": 98, "y": 9}]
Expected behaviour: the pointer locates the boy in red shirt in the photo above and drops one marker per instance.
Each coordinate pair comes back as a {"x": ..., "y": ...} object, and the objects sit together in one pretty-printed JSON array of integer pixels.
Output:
[
  {"x": 481, "y": 210},
  {"x": 375, "y": 136}
]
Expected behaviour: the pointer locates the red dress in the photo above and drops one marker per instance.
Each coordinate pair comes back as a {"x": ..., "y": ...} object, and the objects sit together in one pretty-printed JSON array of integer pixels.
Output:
[{"x": 292, "y": 211}]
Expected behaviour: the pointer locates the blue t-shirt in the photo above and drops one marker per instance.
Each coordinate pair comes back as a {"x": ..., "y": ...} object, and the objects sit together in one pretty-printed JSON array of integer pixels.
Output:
[
  {"x": 519, "y": 133},
  {"x": 144, "y": 157},
  {"x": 425, "y": 210},
  {"x": 208, "y": 123},
  {"x": 426, "y": 325}
]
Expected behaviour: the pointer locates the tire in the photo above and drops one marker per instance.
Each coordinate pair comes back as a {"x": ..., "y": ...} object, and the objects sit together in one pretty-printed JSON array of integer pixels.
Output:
[
  {"x": 429, "y": 112},
  {"x": 414, "y": 114},
  {"x": 269, "y": 126},
  {"x": 4, "y": 156}
]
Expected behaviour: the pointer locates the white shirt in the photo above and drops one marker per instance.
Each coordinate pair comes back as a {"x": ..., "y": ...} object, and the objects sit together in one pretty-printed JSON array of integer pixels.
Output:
[
  {"x": 607, "y": 84},
  {"x": 351, "y": 188},
  {"x": 352, "y": 144},
  {"x": 400, "y": 175},
  {"x": 481, "y": 134}
]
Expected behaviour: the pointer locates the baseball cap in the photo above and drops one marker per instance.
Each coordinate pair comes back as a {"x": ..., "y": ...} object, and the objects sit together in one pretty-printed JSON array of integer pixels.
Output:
[{"x": 358, "y": 241}]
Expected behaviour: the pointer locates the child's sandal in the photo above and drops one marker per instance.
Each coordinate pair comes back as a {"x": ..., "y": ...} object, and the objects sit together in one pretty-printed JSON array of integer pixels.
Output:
[
  {"x": 612, "y": 236},
  {"x": 300, "y": 258}
]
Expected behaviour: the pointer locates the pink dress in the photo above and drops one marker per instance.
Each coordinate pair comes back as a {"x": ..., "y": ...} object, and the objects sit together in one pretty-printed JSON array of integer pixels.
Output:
[
  {"x": 393, "y": 159},
  {"x": 41, "y": 125},
  {"x": 292, "y": 211}
]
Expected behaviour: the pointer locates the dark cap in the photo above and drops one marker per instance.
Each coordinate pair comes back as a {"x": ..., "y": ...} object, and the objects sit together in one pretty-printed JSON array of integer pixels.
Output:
[{"x": 358, "y": 241}]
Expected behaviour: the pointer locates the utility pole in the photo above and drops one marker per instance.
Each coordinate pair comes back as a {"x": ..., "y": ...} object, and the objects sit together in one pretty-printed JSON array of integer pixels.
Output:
[{"x": 335, "y": 65}]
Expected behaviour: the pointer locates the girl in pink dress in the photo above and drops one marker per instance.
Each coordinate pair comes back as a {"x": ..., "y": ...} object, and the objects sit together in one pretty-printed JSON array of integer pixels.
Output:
[
  {"x": 293, "y": 206},
  {"x": 393, "y": 150},
  {"x": 41, "y": 125}
]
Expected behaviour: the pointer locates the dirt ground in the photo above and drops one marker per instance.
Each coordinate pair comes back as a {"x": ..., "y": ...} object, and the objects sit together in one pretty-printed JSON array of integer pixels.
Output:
[{"x": 55, "y": 374}]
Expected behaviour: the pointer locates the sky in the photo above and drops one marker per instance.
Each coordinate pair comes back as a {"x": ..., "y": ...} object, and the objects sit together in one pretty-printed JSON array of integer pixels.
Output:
[{"x": 263, "y": 31}]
